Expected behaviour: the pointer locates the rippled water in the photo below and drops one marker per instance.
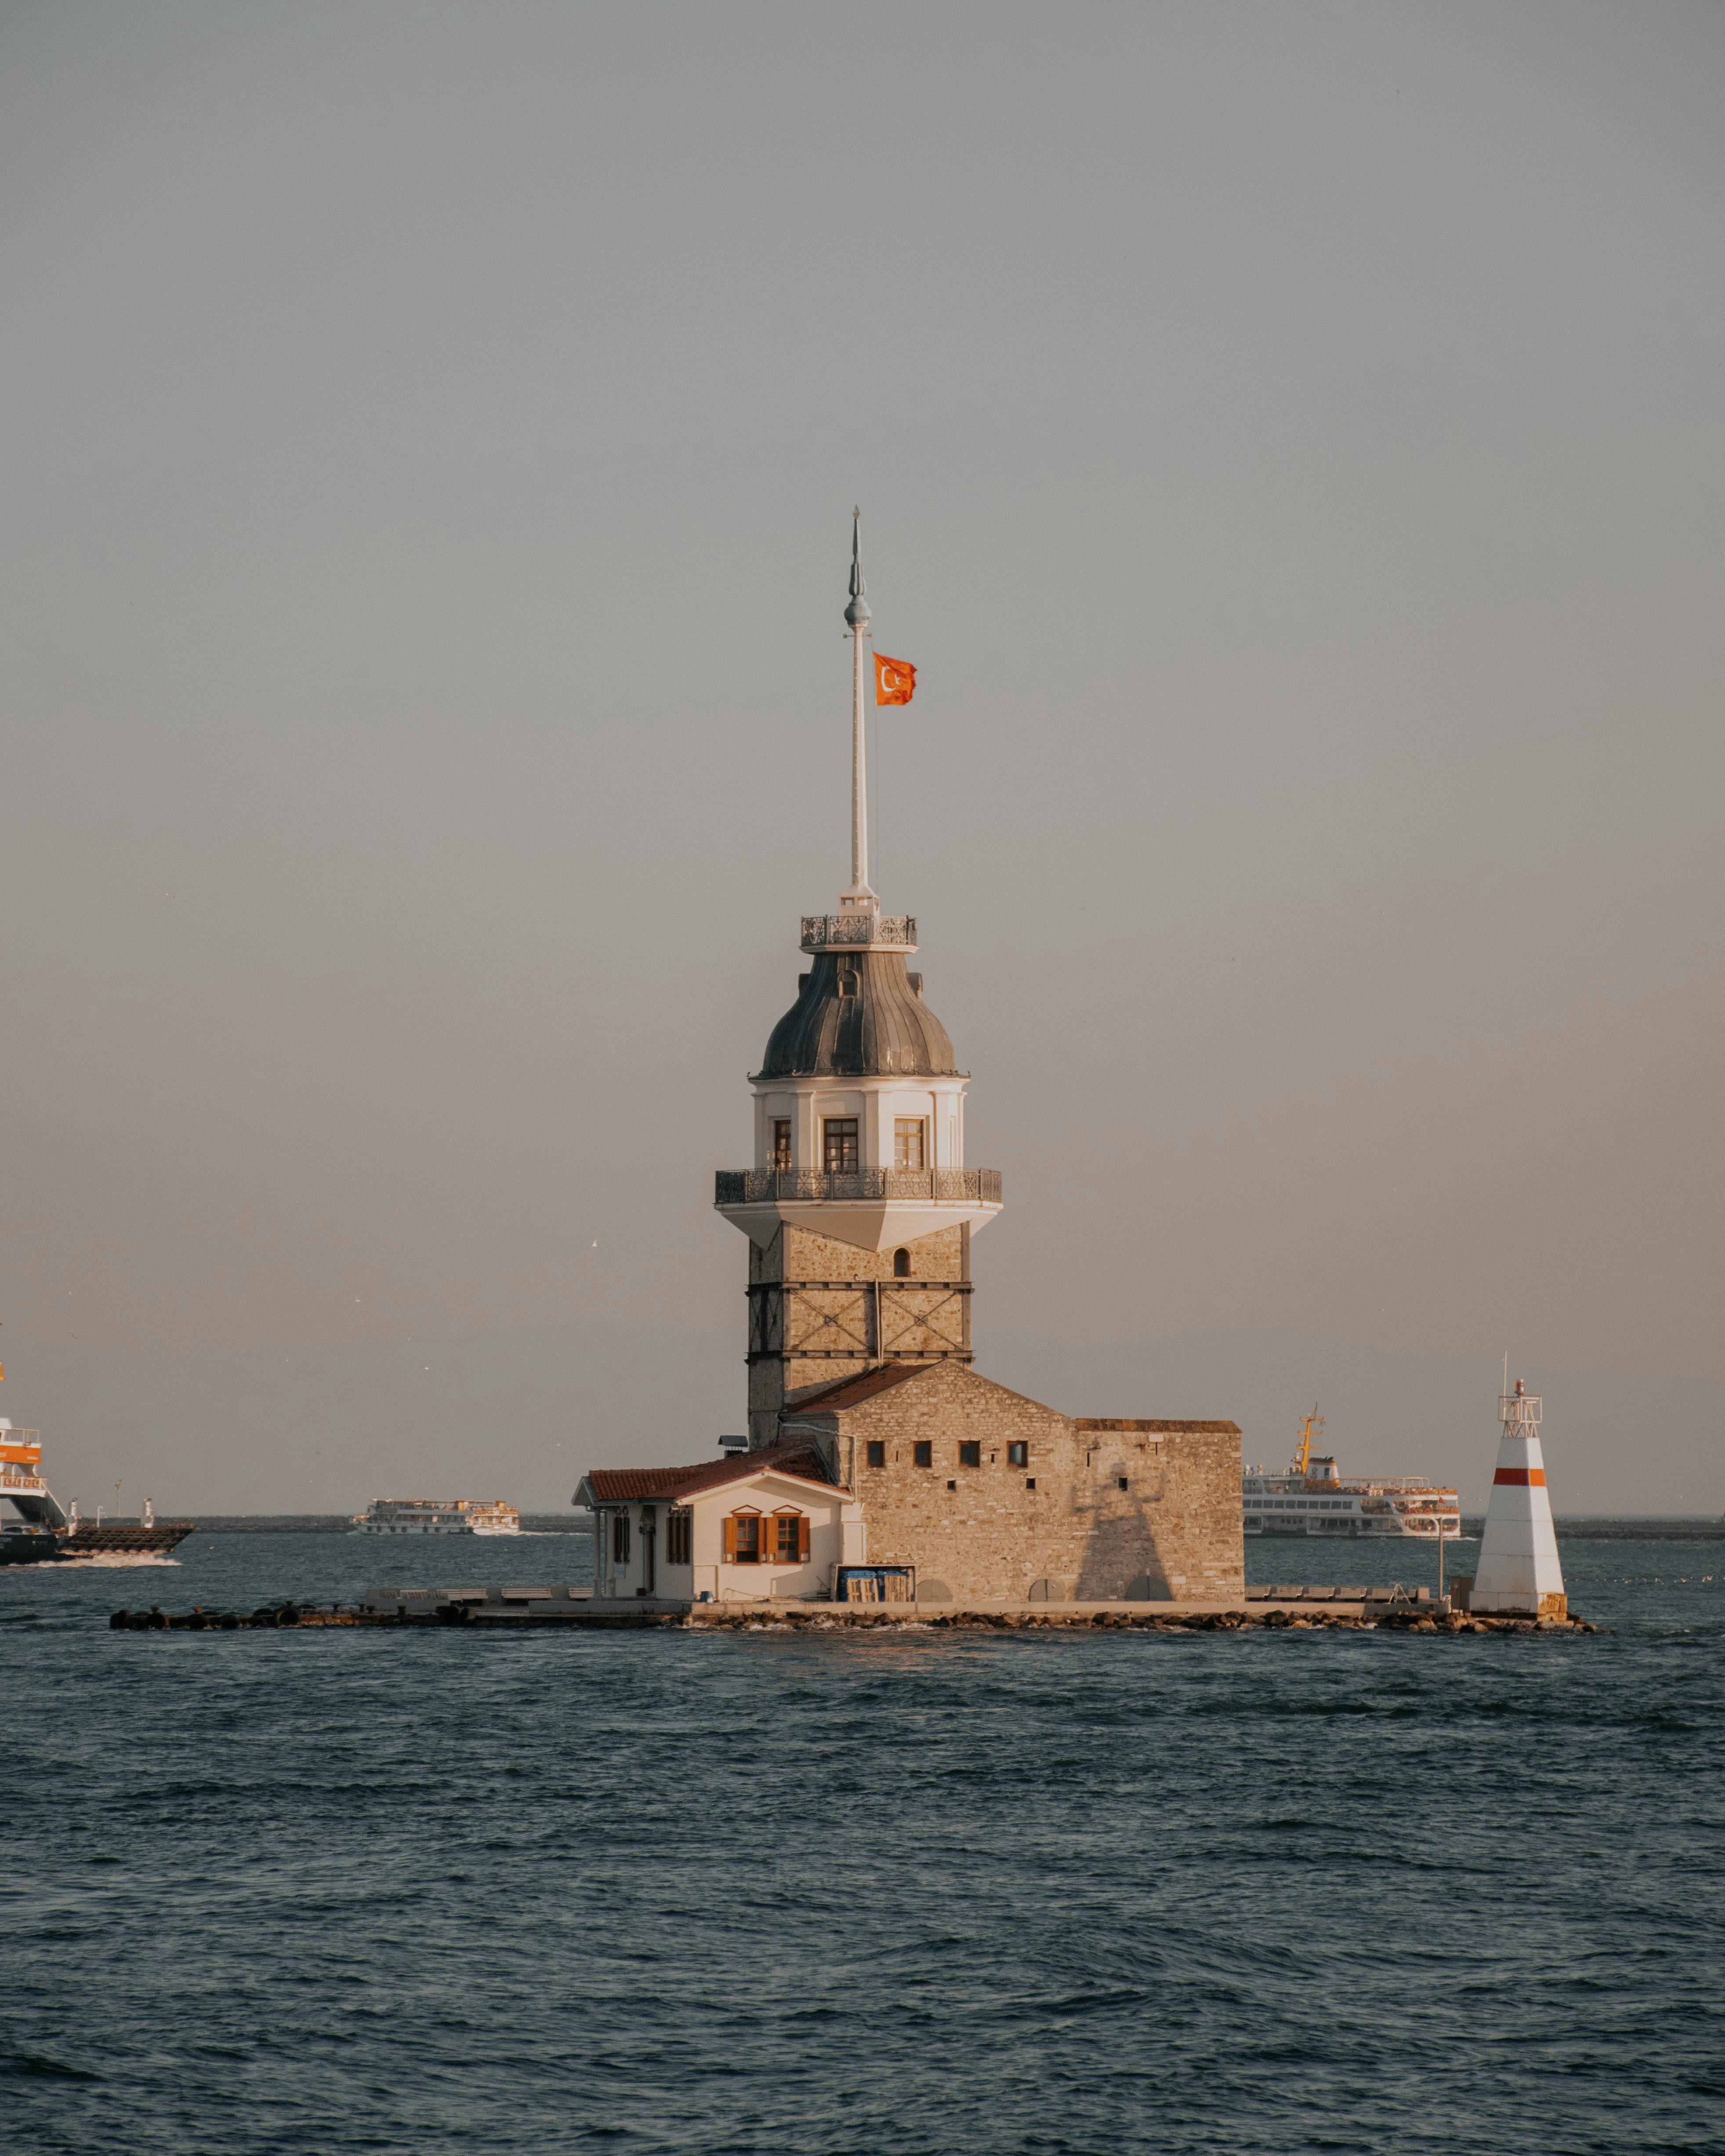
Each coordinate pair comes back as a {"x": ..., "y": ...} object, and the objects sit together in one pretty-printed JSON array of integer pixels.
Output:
[{"x": 341, "y": 1891}]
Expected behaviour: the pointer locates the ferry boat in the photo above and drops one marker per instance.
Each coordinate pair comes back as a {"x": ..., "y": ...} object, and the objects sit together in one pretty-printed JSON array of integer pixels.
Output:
[
  {"x": 438, "y": 1515},
  {"x": 1313, "y": 1497},
  {"x": 40, "y": 1531}
]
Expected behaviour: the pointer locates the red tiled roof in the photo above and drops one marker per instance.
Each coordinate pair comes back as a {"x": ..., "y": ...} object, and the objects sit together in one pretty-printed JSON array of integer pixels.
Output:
[
  {"x": 1114, "y": 1422},
  {"x": 851, "y": 1392},
  {"x": 612, "y": 1486}
]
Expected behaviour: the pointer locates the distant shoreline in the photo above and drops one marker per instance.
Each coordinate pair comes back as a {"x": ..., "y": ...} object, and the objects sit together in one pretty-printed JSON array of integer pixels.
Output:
[
  {"x": 339, "y": 1523},
  {"x": 1627, "y": 1527}
]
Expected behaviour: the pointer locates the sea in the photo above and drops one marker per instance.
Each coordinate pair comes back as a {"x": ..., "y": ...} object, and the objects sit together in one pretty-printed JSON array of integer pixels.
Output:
[{"x": 935, "y": 1894}]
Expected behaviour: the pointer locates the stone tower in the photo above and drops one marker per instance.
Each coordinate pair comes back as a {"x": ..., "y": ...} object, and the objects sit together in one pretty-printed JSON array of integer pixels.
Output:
[{"x": 859, "y": 1209}]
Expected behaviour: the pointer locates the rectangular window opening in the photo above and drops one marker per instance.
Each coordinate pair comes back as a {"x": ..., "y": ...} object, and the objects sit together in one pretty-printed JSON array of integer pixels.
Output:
[
  {"x": 877, "y": 1452},
  {"x": 839, "y": 1153},
  {"x": 970, "y": 1454},
  {"x": 923, "y": 1452},
  {"x": 678, "y": 1535},
  {"x": 910, "y": 1141},
  {"x": 1018, "y": 1453},
  {"x": 780, "y": 1142},
  {"x": 1029, "y": 1482}
]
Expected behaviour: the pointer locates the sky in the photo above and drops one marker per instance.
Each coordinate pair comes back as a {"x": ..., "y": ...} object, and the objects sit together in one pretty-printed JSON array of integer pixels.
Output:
[{"x": 1289, "y": 442}]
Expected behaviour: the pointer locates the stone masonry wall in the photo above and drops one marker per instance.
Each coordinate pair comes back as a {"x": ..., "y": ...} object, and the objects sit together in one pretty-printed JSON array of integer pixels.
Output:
[{"x": 993, "y": 1531}]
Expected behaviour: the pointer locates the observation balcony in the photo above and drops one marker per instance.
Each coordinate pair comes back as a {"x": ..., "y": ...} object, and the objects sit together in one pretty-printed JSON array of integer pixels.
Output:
[{"x": 871, "y": 1207}]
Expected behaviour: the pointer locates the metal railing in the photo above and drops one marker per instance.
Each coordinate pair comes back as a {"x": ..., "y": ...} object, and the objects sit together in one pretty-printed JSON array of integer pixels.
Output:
[
  {"x": 841, "y": 931},
  {"x": 935, "y": 1186}
]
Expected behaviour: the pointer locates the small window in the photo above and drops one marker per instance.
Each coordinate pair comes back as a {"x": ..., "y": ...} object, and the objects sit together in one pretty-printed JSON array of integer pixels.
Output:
[
  {"x": 908, "y": 1142},
  {"x": 1029, "y": 1482},
  {"x": 970, "y": 1454},
  {"x": 742, "y": 1539},
  {"x": 877, "y": 1452},
  {"x": 923, "y": 1452},
  {"x": 1018, "y": 1453},
  {"x": 790, "y": 1539},
  {"x": 839, "y": 1150},
  {"x": 1123, "y": 1483},
  {"x": 780, "y": 1142},
  {"x": 678, "y": 1535},
  {"x": 847, "y": 981},
  {"x": 901, "y": 1265},
  {"x": 951, "y": 1486},
  {"x": 619, "y": 1538}
]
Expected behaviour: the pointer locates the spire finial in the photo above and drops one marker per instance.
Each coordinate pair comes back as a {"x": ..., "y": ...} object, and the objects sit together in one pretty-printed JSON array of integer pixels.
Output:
[{"x": 857, "y": 612}]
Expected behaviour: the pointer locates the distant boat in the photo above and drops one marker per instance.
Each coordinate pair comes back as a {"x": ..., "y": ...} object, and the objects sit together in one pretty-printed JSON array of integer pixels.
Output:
[
  {"x": 1313, "y": 1497},
  {"x": 40, "y": 1531},
  {"x": 438, "y": 1515}
]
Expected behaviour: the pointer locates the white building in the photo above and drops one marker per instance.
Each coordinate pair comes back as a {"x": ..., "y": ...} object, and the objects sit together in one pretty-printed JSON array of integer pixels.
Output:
[{"x": 754, "y": 1525}]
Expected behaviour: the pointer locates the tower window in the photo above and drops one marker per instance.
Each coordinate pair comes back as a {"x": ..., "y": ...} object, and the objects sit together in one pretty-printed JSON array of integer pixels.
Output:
[
  {"x": 909, "y": 1144},
  {"x": 901, "y": 1265},
  {"x": 839, "y": 1150},
  {"x": 782, "y": 1142},
  {"x": 847, "y": 981},
  {"x": 923, "y": 1452}
]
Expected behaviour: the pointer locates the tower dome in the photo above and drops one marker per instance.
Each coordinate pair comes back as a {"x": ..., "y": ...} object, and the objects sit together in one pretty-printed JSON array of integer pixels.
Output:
[{"x": 859, "y": 1015}]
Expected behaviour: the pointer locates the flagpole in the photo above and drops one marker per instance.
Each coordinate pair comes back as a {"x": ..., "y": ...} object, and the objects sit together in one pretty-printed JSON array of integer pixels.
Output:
[{"x": 857, "y": 614}]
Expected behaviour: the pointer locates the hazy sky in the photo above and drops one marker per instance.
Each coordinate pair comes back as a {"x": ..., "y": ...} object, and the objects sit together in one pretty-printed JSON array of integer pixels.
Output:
[{"x": 1290, "y": 444}]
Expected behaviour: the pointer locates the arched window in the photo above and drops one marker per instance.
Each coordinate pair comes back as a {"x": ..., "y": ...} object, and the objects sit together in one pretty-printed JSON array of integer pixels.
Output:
[{"x": 901, "y": 1265}]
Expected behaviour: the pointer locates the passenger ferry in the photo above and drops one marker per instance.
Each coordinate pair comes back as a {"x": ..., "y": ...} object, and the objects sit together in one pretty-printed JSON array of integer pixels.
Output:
[
  {"x": 40, "y": 1531},
  {"x": 1312, "y": 1497},
  {"x": 438, "y": 1515}
]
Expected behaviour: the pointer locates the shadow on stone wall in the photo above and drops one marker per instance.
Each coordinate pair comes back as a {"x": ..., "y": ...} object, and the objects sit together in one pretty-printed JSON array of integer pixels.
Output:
[{"x": 1121, "y": 1558}]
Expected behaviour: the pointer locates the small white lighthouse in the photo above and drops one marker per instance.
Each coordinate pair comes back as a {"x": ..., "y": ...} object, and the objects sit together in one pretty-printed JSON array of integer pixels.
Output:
[{"x": 1519, "y": 1574}]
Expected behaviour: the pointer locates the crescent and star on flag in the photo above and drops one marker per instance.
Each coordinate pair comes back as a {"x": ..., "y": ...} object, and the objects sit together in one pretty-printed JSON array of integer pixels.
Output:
[{"x": 894, "y": 680}]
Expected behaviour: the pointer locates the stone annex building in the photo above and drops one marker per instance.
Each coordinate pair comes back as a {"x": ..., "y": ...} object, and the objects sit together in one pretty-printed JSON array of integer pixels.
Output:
[{"x": 879, "y": 1463}]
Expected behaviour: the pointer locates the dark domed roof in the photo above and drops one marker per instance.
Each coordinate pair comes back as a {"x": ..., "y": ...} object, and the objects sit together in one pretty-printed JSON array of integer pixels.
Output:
[{"x": 884, "y": 1029}]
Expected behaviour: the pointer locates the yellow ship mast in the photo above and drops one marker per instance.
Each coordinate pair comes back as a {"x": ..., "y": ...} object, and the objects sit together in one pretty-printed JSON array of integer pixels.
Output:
[{"x": 1311, "y": 1426}]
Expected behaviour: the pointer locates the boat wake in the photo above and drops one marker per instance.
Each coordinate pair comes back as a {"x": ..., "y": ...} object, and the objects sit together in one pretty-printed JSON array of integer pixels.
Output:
[{"x": 103, "y": 1561}]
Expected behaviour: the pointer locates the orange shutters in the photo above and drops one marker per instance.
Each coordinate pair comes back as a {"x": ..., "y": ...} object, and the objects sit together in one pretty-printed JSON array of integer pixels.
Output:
[
  {"x": 802, "y": 1538},
  {"x": 731, "y": 1538}
]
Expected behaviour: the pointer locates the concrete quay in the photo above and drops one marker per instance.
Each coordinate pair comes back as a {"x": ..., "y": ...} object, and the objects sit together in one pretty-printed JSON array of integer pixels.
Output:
[{"x": 512, "y": 1607}]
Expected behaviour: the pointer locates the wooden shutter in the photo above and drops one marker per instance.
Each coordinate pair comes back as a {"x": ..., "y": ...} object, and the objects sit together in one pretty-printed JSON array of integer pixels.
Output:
[
  {"x": 730, "y": 1537},
  {"x": 802, "y": 1538}
]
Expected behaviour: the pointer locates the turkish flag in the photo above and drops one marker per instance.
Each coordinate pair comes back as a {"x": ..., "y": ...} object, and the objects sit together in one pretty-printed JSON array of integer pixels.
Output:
[{"x": 894, "y": 681}]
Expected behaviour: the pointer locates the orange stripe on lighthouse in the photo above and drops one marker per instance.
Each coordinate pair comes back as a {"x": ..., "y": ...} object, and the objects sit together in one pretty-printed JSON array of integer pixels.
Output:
[{"x": 1525, "y": 1478}]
